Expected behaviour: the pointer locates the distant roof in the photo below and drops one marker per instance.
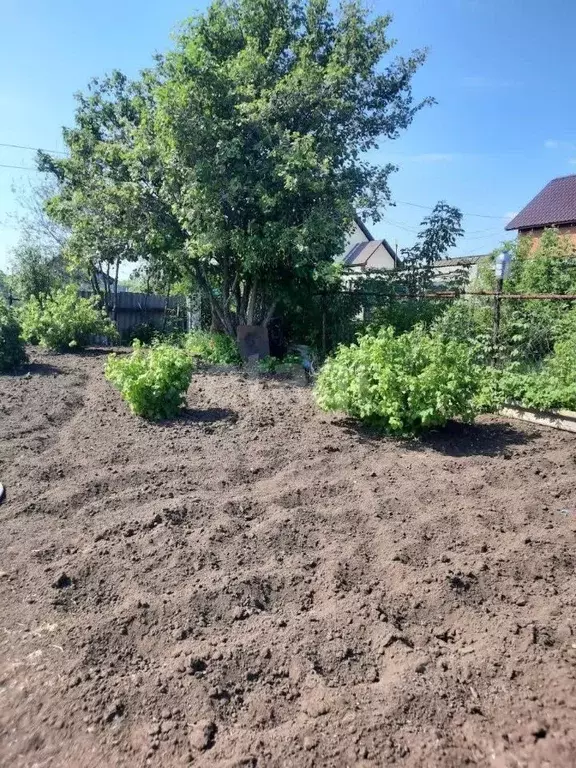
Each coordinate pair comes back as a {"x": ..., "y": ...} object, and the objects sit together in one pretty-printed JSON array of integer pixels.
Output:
[
  {"x": 360, "y": 253},
  {"x": 363, "y": 228},
  {"x": 460, "y": 261},
  {"x": 555, "y": 204}
]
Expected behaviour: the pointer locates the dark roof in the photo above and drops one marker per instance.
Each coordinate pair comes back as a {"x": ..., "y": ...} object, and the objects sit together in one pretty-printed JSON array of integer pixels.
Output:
[
  {"x": 555, "y": 204},
  {"x": 363, "y": 228},
  {"x": 459, "y": 261}
]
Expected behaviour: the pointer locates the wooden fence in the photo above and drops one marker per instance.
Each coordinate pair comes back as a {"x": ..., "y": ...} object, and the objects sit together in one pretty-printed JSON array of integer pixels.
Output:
[
  {"x": 137, "y": 309},
  {"x": 133, "y": 309}
]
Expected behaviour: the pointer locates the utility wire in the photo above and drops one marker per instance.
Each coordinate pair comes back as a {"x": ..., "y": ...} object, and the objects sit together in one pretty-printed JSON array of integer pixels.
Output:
[
  {"x": 18, "y": 167},
  {"x": 33, "y": 149},
  {"x": 431, "y": 208},
  {"x": 58, "y": 152}
]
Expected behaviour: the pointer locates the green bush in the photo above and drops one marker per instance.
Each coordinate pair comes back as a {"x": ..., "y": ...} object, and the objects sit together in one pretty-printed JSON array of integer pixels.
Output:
[
  {"x": 12, "y": 352},
  {"x": 404, "y": 314},
  {"x": 64, "y": 321},
  {"x": 551, "y": 385},
  {"x": 286, "y": 364},
  {"x": 403, "y": 384},
  {"x": 153, "y": 381},
  {"x": 145, "y": 333},
  {"x": 213, "y": 348},
  {"x": 470, "y": 322}
]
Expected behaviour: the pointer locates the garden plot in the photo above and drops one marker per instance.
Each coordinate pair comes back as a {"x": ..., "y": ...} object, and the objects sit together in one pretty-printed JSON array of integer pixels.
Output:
[{"x": 257, "y": 583}]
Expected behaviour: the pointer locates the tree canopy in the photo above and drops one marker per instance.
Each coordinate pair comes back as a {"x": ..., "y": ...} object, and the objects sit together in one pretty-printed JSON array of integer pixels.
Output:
[{"x": 240, "y": 159}]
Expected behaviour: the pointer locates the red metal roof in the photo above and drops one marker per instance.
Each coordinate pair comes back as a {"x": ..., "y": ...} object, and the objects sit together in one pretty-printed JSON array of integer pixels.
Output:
[{"x": 555, "y": 204}]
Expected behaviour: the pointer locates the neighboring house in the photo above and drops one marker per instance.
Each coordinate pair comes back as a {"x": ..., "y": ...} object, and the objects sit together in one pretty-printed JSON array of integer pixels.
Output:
[
  {"x": 554, "y": 206},
  {"x": 459, "y": 268},
  {"x": 363, "y": 253}
]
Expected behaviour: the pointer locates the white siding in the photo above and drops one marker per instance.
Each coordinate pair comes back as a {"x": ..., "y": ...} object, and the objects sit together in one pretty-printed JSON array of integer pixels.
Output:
[
  {"x": 380, "y": 259},
  {"x": 356, "y": 236}
]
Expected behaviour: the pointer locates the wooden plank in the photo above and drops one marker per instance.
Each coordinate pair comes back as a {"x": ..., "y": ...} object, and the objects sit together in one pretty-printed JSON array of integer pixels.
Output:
[{"x": 565, "y": 420}]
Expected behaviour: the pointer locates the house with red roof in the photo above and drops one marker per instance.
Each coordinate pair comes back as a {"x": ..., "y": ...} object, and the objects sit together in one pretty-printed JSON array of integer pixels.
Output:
[{"x": 554, "y": 206}]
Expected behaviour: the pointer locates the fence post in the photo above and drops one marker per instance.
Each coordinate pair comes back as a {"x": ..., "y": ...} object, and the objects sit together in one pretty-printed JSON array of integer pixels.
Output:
[
  {"x": 323, "y": 325},
  {"x": 497, "y": 308},
  {"x": 501, "y": 266}
]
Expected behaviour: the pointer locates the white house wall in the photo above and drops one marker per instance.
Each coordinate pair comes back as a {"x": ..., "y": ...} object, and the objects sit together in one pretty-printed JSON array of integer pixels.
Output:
[{"x": 356, "y": 236}]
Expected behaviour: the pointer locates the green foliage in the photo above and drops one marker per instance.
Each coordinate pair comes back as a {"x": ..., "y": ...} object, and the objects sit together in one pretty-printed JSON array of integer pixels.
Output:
[
  {"x": 36, "y": 273},
  {"x": 403, "y": 384},
  {"x": 64, "y": 321},
  {"x": 286, "y": 364},
  {"x": 438, "y": 234},
  {"x": 12, "y": 352},
  {"x": 153, "y": 381},
  {"x": 551, "y": 385},
  {"x": 212, "y": 348},
  {"x": 239, "y": 159},
  {"x": 145, "y": 333},
  {"x": 404, "y": 314},
  {"x": 5, "y": 284},
  {"x": 468, "y": 321}
]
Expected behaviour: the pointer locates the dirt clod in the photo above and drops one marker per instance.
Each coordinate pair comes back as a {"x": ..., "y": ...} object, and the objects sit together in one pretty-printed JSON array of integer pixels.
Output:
[{"x": 202, "y": 734}]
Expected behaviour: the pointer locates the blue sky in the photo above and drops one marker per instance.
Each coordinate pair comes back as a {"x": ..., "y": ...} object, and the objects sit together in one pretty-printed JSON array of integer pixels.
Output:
[{"x": 502, "y": 72}]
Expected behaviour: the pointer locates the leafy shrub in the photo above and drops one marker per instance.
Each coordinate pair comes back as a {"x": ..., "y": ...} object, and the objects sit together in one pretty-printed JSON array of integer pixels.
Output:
[
  {"x": 279, "y": 365},
  {"x": 213, "y": 348},
  {"x": 552, "y": 385},
  {"x": 404, "y": 314},
  {"x": 401, "y": 383},
  {"x": 12, "y": 352},
  {"x": 469, "y": 322},
  {"x": 64, "y": 321},
  {"x": 153, "y": 381},
  {"x": 145, "y": 333}
]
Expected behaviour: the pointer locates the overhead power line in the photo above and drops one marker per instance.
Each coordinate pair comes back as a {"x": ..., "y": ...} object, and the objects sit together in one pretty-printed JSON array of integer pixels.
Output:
[
  {"x": 33, "y": 149},
  {"x": 431, "y": 208},
  {"x": 59, "y": 152},
  {"x": 18, "y": 167}
]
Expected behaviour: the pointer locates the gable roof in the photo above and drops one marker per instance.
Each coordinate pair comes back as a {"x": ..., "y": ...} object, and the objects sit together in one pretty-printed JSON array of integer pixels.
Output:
[
  {"x": 360, "y": 253},
  {"x": 555, "y": 204},
  {"x": 363, "y": 228}
]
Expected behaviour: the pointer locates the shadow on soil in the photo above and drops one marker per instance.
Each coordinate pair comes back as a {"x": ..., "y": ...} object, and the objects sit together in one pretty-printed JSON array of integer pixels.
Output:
[
  {"x": 34, "y": 369},
  {"x": 456, "y": 439},
  {"x": 205, "y": 416}
]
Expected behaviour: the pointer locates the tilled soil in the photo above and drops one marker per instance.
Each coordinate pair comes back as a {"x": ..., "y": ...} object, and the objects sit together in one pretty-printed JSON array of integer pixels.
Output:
[{"x": 260, "y": 584}]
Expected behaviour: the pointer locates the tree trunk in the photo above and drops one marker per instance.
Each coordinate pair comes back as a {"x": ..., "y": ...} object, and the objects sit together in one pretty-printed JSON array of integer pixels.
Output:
[
  {"x": 115, "y": 310},
  {"x": 268, "y": 316},
  {"x": 251, "y": 309},
  {"x": 166, "y": 309}
]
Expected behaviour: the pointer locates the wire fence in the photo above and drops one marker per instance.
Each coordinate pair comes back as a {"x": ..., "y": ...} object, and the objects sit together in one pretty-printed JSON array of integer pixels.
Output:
[{"x": 503, "y": 327}]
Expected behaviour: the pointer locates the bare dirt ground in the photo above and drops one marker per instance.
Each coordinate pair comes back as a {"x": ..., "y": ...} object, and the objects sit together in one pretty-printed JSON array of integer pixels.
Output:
[{"x": 260, "y": 584}]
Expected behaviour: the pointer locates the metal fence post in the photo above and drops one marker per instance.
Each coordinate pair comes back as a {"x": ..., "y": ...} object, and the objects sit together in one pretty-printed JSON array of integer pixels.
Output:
[
  {"x": 497, "y": 310},
  {"x": 501, "y": 267}
]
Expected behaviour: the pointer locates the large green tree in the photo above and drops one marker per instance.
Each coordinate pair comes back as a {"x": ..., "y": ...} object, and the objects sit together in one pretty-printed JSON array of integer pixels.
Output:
[
  {"x": 108, "y": 186},
  {"x": 264, "y": 113},
  {"x": 240, "y": 159}
]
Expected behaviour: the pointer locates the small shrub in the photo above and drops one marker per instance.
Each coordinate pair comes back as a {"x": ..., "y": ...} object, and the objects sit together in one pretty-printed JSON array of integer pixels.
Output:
[
  {"x": 213, "y": 348},
  {"x": 285, "y": 364},
  {"x": 551, "y": 385},
  {"x": 153, "y": 381},
  {"x": 64, "y": 321},
  {"x": 12, "y": 352},
  {"x": 403, "y": 384},
  {"x": 145, "y": 333}
]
